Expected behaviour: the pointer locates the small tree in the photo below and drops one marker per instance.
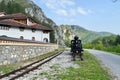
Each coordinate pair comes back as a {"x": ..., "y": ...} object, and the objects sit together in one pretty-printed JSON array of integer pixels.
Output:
[{"x": 117, "y": 41}]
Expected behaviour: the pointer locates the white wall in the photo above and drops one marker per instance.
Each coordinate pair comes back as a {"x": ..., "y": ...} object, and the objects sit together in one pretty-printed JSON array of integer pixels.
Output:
[
  {"x": 29, "y": 22},
  {"x": 27, "y": 34},
  {"x": 2, "y": 15},
  {"x": 46, "y": 35}
]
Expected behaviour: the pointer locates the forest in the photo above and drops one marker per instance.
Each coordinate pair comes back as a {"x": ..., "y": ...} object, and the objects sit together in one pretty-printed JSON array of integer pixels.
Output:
[{"x": 11, "y": 7}]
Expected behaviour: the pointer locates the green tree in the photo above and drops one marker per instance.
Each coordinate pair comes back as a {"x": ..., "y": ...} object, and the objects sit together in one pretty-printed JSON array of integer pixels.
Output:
[
  {"x": 67, "y": 43},
  {"x": 117, "y": 40},
  {"x": 13, "y": 7},
  {"x": 9, "y": 8},
  {"x": 52, "y": 37},
  {"x": 2, "y": 6}
]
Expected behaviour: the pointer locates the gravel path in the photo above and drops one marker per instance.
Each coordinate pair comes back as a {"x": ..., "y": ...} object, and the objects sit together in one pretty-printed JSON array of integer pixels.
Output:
[
  {"x": 55, "y": 66},
  {"x": 111, "y": 61}
]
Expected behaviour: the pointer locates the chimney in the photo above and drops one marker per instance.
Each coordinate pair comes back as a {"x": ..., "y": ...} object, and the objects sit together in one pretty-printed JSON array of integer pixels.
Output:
[{"x": 2, "y": 14}]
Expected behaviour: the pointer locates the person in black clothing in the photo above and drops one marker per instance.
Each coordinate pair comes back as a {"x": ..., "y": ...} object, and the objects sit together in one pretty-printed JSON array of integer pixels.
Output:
[{"x": 76, "y": 47}]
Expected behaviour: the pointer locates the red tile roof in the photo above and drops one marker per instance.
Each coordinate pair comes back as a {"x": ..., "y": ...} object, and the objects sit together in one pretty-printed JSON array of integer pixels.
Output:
[
  {"x": 14, "y": 23},
  {"x": 38, "y": 26},
  {"x": 11, "y": 20},
  {"x": 14, "y": 16}
]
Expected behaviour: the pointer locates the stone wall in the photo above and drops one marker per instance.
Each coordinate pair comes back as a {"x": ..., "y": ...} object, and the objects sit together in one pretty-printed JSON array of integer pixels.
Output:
[{"x": 15, "y": 53}]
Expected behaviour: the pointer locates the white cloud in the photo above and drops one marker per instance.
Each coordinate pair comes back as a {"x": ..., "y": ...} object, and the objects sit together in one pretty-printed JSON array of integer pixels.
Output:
[
  {"x": 72, "y": 20},
  {"x": 59, "y": 6},
  {"x": 51, "y": 4},
  {"x": 90, "y": 11},
  {"x": 62, "y": 12},
  {"x": 67, "y": 2},
  {"x": 65, "y": 7},
  {"x": 82, "y": 11},
  {"x": 58, "y": 3},
  {"x": 72, "y": 12}
]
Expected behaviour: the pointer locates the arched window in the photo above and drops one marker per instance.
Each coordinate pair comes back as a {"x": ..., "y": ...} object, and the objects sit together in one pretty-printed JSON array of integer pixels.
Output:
[
  {"x": 21, "y": 28},
  {"x": 33, "y": 38},
  {"x": 21, "y": 37},
  {"x": 33, "y": 30},
  {"x": 45, "y": 40}
]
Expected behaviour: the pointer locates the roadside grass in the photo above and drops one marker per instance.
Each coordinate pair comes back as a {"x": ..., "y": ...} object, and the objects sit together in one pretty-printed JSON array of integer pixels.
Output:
[
  {"x": 90, "y": 69},
  {"x": 113, "y": 49},
  {"x": 7, "y": 68}
]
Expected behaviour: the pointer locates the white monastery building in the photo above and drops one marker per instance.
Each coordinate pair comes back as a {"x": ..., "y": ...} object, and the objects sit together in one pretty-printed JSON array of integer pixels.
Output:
[{"x": 19, "y": 26}]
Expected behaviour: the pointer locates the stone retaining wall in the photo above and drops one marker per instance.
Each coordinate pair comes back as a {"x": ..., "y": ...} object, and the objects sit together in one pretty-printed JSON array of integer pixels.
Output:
[{"x": 15, "y": 53}]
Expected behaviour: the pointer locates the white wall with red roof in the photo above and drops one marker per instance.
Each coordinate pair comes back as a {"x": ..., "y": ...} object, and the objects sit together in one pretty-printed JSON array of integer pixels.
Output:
[{"x": 11, "y": 28}]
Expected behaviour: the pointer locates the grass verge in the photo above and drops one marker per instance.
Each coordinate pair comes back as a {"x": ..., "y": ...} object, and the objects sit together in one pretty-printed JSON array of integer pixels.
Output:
[
  {"x": 7, "y": 68},
  {"x": 90, "y": 69}
]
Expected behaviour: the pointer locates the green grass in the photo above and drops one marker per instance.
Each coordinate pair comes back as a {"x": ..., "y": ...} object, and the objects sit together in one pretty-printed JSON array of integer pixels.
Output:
[
  {"x": 90, "y": 69},
  {"x": 112, "y": 49},
  {"x": 10, "y": 67}
]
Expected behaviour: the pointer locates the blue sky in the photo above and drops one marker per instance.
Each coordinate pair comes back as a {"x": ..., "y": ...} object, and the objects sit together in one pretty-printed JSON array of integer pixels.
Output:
[{"x": 95, "y": 15}]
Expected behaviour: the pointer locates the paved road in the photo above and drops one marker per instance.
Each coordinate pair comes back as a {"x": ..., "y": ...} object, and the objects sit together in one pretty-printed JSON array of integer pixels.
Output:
[{"x": 108, "y": 60}]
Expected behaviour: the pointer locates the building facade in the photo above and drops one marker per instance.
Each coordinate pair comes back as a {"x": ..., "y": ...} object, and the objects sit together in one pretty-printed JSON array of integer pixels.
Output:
[{"x": 22, "y": 27}]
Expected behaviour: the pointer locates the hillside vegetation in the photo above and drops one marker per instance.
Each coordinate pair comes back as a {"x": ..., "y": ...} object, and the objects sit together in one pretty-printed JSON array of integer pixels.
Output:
[
  {"x": 69, "y": 31},
  {"x": 11, "y": 7},
  {"x": 110, "y": 43}
]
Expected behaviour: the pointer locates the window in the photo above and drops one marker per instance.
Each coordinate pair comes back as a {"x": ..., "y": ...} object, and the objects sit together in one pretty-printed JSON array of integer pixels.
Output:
[
  {"x": 21, "y": 37},
  {"x": 33, "y": 38},
  {"x": 4, "y": 28},
  {"x": 7, "y": 28},
  {"x": 33, "y": 30},
  {"x": 21, "y": 28},
  {"x": 46, "y": 32},
  {"x": 45, "y": 40}
]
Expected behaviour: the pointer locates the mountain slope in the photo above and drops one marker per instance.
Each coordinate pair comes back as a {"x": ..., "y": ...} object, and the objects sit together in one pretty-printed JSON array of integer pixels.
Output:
[{"x": 69, "y": 31}]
